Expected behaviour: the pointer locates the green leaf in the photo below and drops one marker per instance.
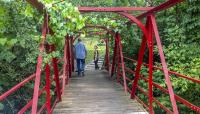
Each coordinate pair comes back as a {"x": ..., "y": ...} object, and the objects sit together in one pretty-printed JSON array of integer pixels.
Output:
[
  {"x": 3, "y": 41},
  {"x": 7, "y": 55},
  {"x": 1, "y": 106},
  {"x": 1, "y": 88},
  {"x": 12, "y": 42},
  {"x": 29, "y": 11}
]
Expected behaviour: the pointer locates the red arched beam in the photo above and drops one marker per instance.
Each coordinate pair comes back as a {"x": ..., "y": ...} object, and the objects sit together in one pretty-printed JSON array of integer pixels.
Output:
[
  {"x": 113, "y": 9},
  {"x": 96, "y": 33},
  {"x": 96, "y": 26},
  {"x": 101, "y": 27},
  {"x": 135, "y": 20},
  {"x": 91, "y": 33}
]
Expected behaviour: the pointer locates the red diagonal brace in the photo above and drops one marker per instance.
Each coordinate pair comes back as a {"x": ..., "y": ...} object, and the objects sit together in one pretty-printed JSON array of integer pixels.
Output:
[
  {"x": 69, "y": 56},
  {"x": 163, "y": 62},
  {"x": 64, "y": 68},
  {"x": 150, "y": 45},
  {"x": 114, "y": 56},
  {"x": 48, "y": 84},
  {"x": 121, "y": 57},
  {"x": 39, "y": 65},
  {"x": 56, "y": 75},
  {"x": 138, "y": 67}
]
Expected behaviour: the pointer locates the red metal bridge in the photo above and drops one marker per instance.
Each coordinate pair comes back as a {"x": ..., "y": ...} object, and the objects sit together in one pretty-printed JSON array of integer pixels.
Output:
[{"x": 62, "y": 76}]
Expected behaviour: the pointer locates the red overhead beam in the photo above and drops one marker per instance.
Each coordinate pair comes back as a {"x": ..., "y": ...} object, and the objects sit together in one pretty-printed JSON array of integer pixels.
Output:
[
  {"x": 40, "y": 6},
  {"x": 160, "y": 7},
  {"x": 149, "y": 10},
  {"x": 113, "y": 9}
]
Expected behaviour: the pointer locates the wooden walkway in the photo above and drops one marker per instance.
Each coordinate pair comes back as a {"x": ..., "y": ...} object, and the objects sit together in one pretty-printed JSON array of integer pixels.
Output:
[{"x": 96, "y": 93}]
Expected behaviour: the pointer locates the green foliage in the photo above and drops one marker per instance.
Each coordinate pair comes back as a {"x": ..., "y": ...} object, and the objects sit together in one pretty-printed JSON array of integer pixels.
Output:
[
  {"x": 1, "y": 106},
  {"x": 20, "y": 34},
  {"x": 18, "y": 49},
  {"x": 179, "y": 30},
  {"x": 64, "y": 18},
  {"x": 90, "y": 42},
  {"x": 115, "y": 25}
]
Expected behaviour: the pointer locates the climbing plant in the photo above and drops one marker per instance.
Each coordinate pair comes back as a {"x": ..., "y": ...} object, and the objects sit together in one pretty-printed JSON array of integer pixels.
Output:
[{"x": 19, "y": 30}]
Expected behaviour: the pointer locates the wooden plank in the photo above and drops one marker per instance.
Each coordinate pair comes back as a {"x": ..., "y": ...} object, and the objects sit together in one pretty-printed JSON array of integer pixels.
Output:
[{"x": 96, "y": 93}]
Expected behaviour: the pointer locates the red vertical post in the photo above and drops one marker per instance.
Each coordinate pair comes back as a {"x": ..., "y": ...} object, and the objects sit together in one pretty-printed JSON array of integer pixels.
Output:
[
  {"x": 150, "y": 45},
  {"x": 164, "y": 65},
  {"x": 122, "y": 61},
  {"x": 107, "y": 53},
  {"x": 118, "y": 66},
  {"x": 64, "y": 68},
  {"x": 106, "y": 57},
  {"x": 109, "y": 59},
  {"x": 114, "y": 56},
  {"x": 69, "y": 57},
  {"x": 39, "y": 65},
  {"x": 72, "y": 53},
  {"x": 56, "y": 75},
  {"x": 48, "y": 94},
  {"x": 105, "y": 64}
]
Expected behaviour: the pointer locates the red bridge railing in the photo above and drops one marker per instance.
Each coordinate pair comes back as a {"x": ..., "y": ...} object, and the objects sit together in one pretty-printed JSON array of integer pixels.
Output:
[
  {"x": 60, "y": 76},
  {"x": 178, "y": 98},
  {"x": 41, "y": 91},
  {"x": 121, "y": 70}
]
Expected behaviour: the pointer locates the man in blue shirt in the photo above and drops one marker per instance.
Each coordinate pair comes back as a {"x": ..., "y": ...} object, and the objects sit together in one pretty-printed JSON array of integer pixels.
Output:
[{"x": 81, "y": 53}]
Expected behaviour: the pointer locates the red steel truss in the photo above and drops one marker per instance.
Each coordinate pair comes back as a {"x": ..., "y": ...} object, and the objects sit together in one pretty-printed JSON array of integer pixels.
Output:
[
  {"x": 113, "y": 9},
  {"x": 149, "y": 30}
]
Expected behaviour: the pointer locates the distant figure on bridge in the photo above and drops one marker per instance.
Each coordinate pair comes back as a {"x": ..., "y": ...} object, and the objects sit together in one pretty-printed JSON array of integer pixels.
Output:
[
  {"x": 96, "y": 57},
  {"x": 80, "y": 54}
]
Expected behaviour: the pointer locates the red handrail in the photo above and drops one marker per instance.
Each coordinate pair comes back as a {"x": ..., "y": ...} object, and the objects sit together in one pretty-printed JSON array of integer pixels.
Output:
[
  {"x": 16, "y": 87},
  {"x": 170, "y": 72},
  {"x": 28, "y": 105},
  {"x": 37, "y": 92},
  {"x": 178, "y": 98}
]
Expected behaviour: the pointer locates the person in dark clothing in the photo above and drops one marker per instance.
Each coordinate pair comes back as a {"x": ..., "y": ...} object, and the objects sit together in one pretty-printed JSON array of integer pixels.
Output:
[{"x": 96, "y": 57}]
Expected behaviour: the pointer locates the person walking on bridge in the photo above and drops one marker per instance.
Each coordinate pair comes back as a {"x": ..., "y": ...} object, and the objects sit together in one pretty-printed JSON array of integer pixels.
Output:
[{"x": 80, "y": 54}]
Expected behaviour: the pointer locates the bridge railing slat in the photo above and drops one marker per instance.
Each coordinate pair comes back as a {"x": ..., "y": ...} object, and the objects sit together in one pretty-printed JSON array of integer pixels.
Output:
[{"x": 178, "y": 98}]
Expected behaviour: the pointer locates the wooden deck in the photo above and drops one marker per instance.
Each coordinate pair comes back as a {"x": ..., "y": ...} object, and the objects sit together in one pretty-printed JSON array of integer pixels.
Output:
[{"x": 96, "y": 93}]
